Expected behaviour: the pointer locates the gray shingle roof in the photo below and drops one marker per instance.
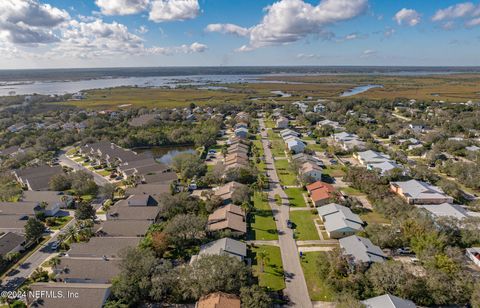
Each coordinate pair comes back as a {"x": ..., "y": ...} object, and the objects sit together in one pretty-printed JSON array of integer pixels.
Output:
[
  {"x": 10, "y": 241},
  {"x": 97, "y": 247},
  {"x": 361, "y": 249},
  {"x": 418, "y": 189},
  {"x": 445, "y": 210},
  {"x": 388, "y": 301},
  {"x": 87, "y": 295},
  {"x": 87, "y": 270},
  {"x": 337, "y": 217},
  {"x": 224, "y": 246}
]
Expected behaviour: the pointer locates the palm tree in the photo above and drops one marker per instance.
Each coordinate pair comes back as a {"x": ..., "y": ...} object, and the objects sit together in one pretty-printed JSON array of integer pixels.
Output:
[
  {"x": 71, "y": 232},
  {"x": 263, "y": 259},
  {"x": 54, "y": 262}
]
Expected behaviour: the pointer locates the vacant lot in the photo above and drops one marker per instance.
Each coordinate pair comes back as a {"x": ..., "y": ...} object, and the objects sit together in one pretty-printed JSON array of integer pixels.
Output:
[
  {"x": 285, "y": 173},
  {"x": 295, "y": 197},
  {"x": 305, "y": 227},
  {"x": 271, "y": 276},
  {"x": 262, "y": 225},
  {"x": 317, "y": 288}
]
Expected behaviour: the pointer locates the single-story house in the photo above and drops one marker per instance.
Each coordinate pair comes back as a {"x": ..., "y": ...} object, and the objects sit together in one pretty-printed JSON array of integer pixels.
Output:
[
  {"x": 52, "y": 198},
  {"x": 37, "y": 178},
  {"x": 321, "y": 193},
  {"x": 445, "y": 210},
  {"x": 13, "y": 223},
  {"x": 370, "y": 157},
  {"x": 360, "y": 249},
  {"x": 223, "y": 246},
  {"x": 29, "y": 208},
  {"x": 218, "y": 300},
  {"x": 335, "y": 125},
  {"x": 384, "y": 167},
  {"x": 339, "y": 221},
  {"x": 124, "y": 228},
  {"x": 241, "y": 132},
  {"x": 125, "y": 212},
  {"x": 388, "y": 301},
  {"x": 229, "y": 217},
  {"x": 82, "y": 270},
  {"x": 288, "y": 132},
  {"x": 311, "y": 171},
  {"x": 90, "y": 295},
  {"x": 10, "y": 243},
  {"x": 226, "y": 191},
  {"x": 319, "y": 108},
  {"x": 418, "y": 192},
  {"x": 295, "y": 145},
  {"x": 153, "y": 190},
  {"x": 282, "y": 122}
]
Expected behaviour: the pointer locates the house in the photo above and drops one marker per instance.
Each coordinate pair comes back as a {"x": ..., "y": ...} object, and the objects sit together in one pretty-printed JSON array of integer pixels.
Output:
[
  {"x": 29, "y": 208},
  {"x": 282, "y": 122},
  {"x": 240, "y": 124},
  {"x": 124, "y": 228},
  {"x": 473, "y": 148},
  {"x": 384, "y": 167},
  {"x": 445, "y": 210},
  {"x": 141, "y": 200},
  {"x": 226, "y": 191},
  {"x": 52, "y": 198},
  {"x": 11, "y": 243},
  {"x": 318, "y": 108},
  {"x": 37, "y": 178},
  {"x": 241, "y": 132},
  {"x": 13, "y": 223},
  {"x": 229, "y": 217},
  {"x": 359, "y": 249},
  {"x": 339, "y": 221},
  {"x": 102, "y": 247},
  {"x": 82, "y": 270},
  {"x": 321, "y": 193},
  {"x": 348, "y": 141},
  {"x": 311, "y": 172},
  {"x": 370, "y": 157},
  {"x": 418, "y": 192},
  {"x": 122, "y": 211},
  {"x": 153, "y": 190},
  {"x": 218, "y": 300},
  {"x": 301, "y": 105},
  {"x": 474, "y": 255},
  {"x": 327, "y": 123},
  {"x": 242, "y": 117},
  {"x": 295, "y": 145},
  {"x": 90, "y": 295},
  {"x": 288, "y": 132},
  {"x": 388, "y": 301},
  {"x": 417, "y": 128},
  {"x": 224, "y": 246}
]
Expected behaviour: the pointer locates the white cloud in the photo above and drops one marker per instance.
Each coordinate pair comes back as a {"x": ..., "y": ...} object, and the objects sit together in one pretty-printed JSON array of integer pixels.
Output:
[
  {"x": 368, "y": 53},
  {"x": 122, "y": 7},
  {"x": 466, "y": 12},
  {"x": 169, "y": 10},
  {"x": 407, "y": 17},
  {"x": 186, "y": 49},
  {"x": 288, "y": 21},
  {"x": 29, "y": 22},
  {"x": 309, "y": 56},
  {"x": 227, "y": 29},
  {"x": 389, "y": 32},
  {"x": 142, "y": 30}
]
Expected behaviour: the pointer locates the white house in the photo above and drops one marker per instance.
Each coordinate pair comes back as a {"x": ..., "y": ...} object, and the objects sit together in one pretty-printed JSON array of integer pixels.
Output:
[
  {"x": 474, "y": 255},
  {"x": 311, "y": 170},
  {"x": 319, "y": 108},
  {"x": 295, "y": 145},
  {"x": 282, "y": 122},
  {"x": 339, "y": 221}
]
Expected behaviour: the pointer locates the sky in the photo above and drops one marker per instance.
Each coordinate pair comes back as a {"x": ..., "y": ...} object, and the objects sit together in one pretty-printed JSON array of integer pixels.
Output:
[{"x": 126, "y": 33}]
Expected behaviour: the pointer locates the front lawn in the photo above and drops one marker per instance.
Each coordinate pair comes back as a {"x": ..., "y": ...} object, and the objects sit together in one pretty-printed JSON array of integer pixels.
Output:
[
  {"x": 374, "y": 218},
  {"x": 295, "y": 197},
  {"x": 317, "y": 289},
  {"x": 262, "y": 225},
  {"x": 334, "y": 171},
  {"x": 304, "y": 225},
  {"x": 103, "y": 172},
  {"x": 278, "y": 148},
  {"x": 286, "y": 176},
  {"x": 272, "y": 276},
  {"x": 60, "y": 222}
]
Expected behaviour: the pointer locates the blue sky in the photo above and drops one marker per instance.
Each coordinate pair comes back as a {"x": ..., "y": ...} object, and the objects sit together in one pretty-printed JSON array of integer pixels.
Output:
[{"x": 92, "y": 33}]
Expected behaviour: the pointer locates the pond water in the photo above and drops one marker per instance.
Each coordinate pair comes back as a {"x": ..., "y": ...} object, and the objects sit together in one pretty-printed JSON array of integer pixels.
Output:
[
  {"x": 167, "y": 153},
  {"x": 281, "y": 93},
  {"x": 360, "y": 89}
]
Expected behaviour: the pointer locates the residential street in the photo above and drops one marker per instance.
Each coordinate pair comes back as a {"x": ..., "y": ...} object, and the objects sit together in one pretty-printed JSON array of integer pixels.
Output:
[
  {"x": 65, "y": 161},
  {"x": 296, "y": 287},
  {"x": 22, "y": 272}
]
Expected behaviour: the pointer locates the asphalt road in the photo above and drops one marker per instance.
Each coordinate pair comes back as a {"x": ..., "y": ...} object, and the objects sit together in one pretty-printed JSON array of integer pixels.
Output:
[
  {"x": 18, "y": 275},
  {"x": 296, "y": 287},
  {"x": 65, "y": 161}
]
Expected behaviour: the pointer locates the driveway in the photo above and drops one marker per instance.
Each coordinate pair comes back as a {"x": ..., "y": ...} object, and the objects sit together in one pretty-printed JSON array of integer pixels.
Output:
[
  {"x": 66, "y": 161},
  {"x": 296, "y": 287},
  {"x": 24, "y": 270}
]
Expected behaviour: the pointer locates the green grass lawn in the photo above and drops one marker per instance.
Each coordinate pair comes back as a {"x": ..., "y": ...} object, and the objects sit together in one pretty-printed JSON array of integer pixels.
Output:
[
  {"x": 270, "y": 123},
  {"x": 285, "y": 174},
  {"x": 103, "y": 172},
  {"x": 317, "y": 288},
  {"x": 305, "y": 227},
  {"x": 272, "y": 275},
  {"x": 262, "y": 225},
  {"x": 316, "y": 147},
  {"x": 60, "y": 222},
  {"x": 278, "y": 148},
  {"x": 334, "y": 171},
  {"x": 351, "y": 191},
  {"x": 295, "y": 197},
  {"x": 374, "y": 218},
  {"x": 273, "y": 135}
]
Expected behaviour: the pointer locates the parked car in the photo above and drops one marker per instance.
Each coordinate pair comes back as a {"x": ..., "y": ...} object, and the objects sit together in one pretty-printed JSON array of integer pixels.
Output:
[
  {"x": 404, "y": 250},
  {"x": 289, "y": 224},
  {"x": 55, "y": 245}
]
